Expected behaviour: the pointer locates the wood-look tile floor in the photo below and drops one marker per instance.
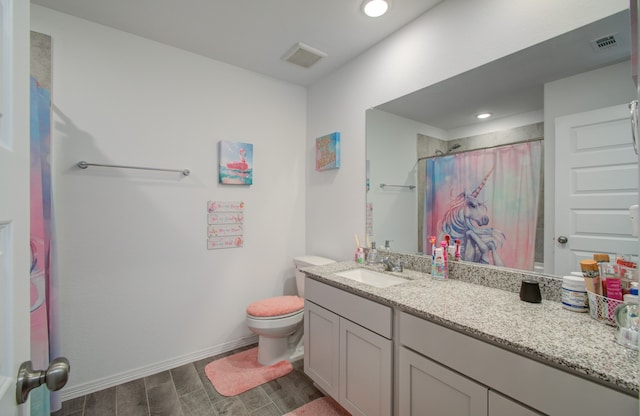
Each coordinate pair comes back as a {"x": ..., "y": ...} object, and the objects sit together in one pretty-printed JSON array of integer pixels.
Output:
[{"x": 186, "y": 391}]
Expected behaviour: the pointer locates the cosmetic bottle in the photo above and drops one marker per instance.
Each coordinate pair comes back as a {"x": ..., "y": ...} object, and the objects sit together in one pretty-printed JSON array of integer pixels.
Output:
[
  {"x": 439, "y": 266},
  {"x": 591, "y": 275},
  {"x": 574, "y": 294},
  {"x": 451, "y": 253},
  {"x": 372, "y": 256},
  {"x": 632, "y": 296},
  {"x": 360, "y": 255}
]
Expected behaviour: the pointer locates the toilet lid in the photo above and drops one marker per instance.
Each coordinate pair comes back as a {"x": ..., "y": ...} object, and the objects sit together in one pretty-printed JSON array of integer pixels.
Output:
[{"x": 279, "y": 305}]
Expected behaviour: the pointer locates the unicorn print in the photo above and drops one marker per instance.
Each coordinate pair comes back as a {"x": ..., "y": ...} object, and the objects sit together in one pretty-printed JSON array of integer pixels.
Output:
[{"x": 466, "y": 219}]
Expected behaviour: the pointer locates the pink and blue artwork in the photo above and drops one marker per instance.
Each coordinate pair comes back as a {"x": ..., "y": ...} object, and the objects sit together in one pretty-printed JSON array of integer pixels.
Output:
[
  {"x": 328, "y": 152},
  {"x": 236, "y": 163}
]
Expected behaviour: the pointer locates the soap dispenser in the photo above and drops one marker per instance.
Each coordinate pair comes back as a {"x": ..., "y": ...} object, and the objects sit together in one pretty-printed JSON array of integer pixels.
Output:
[{"x": 372, "y": 257}]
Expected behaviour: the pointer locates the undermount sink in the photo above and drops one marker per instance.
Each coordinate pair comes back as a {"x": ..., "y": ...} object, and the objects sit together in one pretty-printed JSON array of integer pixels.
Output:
[{"x": 371, "y": 277}]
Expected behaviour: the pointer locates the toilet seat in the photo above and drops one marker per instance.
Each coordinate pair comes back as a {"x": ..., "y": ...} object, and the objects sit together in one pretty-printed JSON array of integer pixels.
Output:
[
  {"x": 275, "y": 317},
  {"x": 276, "y": 307}
]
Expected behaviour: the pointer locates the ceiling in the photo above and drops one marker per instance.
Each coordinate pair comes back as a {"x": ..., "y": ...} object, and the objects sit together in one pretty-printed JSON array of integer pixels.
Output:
[
  {"x": 514, "y": 84},
  {"x": 253, "y": 34}
]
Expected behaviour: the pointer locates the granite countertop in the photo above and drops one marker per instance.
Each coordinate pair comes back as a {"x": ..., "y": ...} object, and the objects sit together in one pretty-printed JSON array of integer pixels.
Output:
[{"x": 543, "y": 331}]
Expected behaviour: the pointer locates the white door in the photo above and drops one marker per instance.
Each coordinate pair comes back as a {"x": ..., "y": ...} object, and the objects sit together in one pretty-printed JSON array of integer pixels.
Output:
[
  {"x": 596, "y": 182},
  {"x": 14, "y": 199}
]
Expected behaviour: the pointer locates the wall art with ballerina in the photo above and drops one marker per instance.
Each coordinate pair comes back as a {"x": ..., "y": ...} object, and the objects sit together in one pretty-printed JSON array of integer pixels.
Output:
[{"x": 236, "y": 163}]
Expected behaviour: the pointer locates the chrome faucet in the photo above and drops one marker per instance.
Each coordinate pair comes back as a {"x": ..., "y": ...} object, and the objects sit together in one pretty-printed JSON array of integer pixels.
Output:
[{"x": 389, "y": 266}]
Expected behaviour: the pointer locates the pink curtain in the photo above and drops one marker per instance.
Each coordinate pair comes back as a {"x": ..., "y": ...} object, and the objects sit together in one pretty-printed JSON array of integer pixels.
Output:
[
  {"x": 487, "y": 199},
  {"x": 44, "y": 340}
]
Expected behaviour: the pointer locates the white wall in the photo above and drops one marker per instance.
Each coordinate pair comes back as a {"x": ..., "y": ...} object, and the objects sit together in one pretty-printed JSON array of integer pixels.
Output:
[
  {"x": 139, "y": 291},
  {"x": 455, "y": 36},
  {"x": 392, "y": 154}
]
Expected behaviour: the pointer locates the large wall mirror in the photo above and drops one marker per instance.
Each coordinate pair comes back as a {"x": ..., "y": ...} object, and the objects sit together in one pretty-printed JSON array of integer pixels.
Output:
[{"x": 531, "y": 95}]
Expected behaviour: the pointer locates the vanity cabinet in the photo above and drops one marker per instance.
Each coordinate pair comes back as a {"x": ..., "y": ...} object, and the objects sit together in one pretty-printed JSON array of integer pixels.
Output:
[
  {"x": 348, "y": 348},
  {"x": 500, "y": 405},
  {"x": 427, "y": 387},
  {"x": 440, "y": 368}
]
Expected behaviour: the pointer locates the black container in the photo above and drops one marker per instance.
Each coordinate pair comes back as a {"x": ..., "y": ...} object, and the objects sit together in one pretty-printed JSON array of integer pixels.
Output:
[{"x": 530, "y": 291}]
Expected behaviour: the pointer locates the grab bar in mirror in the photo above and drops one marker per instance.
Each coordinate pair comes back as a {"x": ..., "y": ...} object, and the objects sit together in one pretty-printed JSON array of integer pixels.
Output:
[{"x": 383, "y": 185}]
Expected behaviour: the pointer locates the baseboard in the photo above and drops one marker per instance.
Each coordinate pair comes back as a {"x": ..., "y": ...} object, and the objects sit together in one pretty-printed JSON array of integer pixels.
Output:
[{"x": 116, "y": 379}]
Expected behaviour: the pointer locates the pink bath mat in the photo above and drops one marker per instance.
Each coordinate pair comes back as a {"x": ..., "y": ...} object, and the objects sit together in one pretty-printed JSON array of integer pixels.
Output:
[
  {"x": 240, "y": 372},
  {"x": 324, "y": 406}
]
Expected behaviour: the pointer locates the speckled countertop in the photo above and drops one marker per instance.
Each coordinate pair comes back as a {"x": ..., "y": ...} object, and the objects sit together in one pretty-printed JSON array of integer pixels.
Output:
[{"x": 543, "y": 331}]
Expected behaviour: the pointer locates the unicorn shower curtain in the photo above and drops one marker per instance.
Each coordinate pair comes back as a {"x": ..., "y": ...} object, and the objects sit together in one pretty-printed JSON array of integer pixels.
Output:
[
  {"x": 487, "y": 199},
  {"x": 44, "y": 340}
]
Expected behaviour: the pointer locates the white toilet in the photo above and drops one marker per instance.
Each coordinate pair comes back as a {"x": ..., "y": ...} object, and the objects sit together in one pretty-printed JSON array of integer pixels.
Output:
[{"x": 278, "y": 320}]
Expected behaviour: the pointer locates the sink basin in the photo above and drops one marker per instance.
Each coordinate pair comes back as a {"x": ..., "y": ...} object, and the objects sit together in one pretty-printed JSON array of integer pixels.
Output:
[{"x": 371, "y": 277}]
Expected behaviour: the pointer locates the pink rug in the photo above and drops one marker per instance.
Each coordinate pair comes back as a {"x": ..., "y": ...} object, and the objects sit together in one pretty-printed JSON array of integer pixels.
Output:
[
  {"x": 240, "y": 372},
  {"x": 324, "y": 406}
]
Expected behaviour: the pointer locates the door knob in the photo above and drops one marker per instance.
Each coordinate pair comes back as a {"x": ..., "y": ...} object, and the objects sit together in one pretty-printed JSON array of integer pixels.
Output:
[
  {"x": 55, "y": 377},
  {"x": 563, "y": 240}
]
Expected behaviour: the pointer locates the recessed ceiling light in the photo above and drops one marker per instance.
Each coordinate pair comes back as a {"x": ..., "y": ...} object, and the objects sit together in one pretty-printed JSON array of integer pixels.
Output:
[
  {"x": 482, "y": 116},
  {"x": 375, "y": 8}
]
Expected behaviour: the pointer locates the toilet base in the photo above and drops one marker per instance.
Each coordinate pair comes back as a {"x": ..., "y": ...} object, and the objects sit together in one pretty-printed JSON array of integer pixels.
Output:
[
  {"x": 297, "y": 354},
  {"x": 272, "y": 350}
]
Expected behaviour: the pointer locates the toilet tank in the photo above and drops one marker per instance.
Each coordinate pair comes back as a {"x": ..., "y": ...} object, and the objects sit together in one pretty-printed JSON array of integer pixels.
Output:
[{"x": 307, "y": 261}]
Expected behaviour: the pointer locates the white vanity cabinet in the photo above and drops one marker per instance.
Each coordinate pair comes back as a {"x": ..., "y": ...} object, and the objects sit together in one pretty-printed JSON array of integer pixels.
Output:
[
  {"x": 500, "y": 405},
  {"x": 348, "y": 348},
  {"x": 427, "y": 387},
  {"x": 445, "y": 372}
]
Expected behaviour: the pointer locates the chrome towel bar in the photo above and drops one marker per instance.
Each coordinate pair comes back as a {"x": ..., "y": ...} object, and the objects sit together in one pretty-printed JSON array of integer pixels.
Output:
[
  {"x": 83, "y": 165},
  {"x": 383, "y": 185}
]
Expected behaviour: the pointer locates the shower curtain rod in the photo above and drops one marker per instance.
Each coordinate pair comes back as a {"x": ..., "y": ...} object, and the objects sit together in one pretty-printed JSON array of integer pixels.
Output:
[
  {"x": 83, "y": 165},
  {"x": 482, "y": 148}
]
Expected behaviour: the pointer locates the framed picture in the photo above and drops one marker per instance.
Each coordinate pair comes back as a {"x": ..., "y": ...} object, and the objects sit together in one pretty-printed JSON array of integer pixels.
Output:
[
  {"x": 236, "y": 163},
  {"x": 328, "y": 152}
]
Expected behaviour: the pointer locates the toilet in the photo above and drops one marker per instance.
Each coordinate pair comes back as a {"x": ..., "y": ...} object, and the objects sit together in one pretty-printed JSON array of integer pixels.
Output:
[{"x": 278, "y": 320}]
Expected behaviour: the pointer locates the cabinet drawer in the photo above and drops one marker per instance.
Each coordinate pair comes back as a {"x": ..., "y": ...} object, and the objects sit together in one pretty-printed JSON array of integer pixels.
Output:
[
  {"x": 364, "y": 312},
  {"x": 540, "y": 386}
]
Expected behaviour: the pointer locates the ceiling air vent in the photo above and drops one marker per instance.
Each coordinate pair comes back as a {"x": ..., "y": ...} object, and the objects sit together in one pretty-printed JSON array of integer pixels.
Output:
[
  {"x": 604, "y": 42},
  {"x": 303, "y": 55}
]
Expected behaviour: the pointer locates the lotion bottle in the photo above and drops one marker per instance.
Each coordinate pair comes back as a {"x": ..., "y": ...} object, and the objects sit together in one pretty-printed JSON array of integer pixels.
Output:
[
  {"x": 439, "y": 266},
  {"x": 372, "y": 257}
]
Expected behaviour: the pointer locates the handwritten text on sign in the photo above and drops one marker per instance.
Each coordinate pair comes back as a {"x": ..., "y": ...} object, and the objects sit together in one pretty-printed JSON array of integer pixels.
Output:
[
  {"x": 225, "y": 227},
  {"x": 225, "y": 230},
  {"x": 225, "y": 206},
  {"x": 224, "y": 242}
]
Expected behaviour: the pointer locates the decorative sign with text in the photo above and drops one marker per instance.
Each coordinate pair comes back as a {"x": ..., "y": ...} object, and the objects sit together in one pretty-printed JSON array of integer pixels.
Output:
[{"x": 225, "y": 228}]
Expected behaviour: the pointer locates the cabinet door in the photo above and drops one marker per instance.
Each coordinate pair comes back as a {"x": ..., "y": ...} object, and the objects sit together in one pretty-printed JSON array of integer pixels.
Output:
[
  {"x": 428, "y": 388},
  {"x": 500, "y": 405},
  {"x": 365, "y": 371},
  {"x": 321, "y": 345}
]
